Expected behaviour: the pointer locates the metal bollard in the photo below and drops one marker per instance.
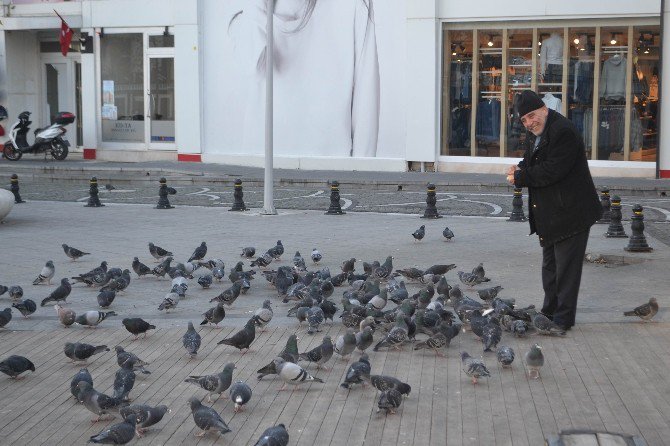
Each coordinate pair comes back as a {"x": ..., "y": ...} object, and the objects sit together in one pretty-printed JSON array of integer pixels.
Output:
[
  {"x": 14, "y": 188},
  {"x": 335, "y": 208},
  {"x": 93, "y": 199},
  {"x": 238, "y": 204},
  {"x": 431, "y": 201},
  {"x": 637, "y": 242},
  {"x": 615, "y": 229},
  {"x": 163, "y": 192},
  {"x": 605, "y": 203},
  {"x": 517, "y": 206}
]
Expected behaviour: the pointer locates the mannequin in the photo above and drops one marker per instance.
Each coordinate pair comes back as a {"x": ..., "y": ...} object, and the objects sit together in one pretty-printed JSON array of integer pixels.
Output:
[{"x": 551, "y": 58}]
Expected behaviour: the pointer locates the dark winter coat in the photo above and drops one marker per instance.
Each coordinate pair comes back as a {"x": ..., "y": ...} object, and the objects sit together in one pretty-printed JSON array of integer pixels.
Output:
[{"x": 562, "y": 197}]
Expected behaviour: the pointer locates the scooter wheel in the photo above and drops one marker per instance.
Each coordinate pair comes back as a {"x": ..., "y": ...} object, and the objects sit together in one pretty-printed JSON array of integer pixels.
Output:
[
  {"x": 10, "y": 152},
  {"x": 59, "y": 151}
]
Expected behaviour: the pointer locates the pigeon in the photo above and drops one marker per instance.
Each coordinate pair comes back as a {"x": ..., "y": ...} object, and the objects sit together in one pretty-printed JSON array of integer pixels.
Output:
[
  {"x": 469, "y": 279},
  {"x": 96, "y": 402},
  {"x": 119, "y": 283},
  {"x": 479, "y": 272},
  {"x": 243, "y": 338},
  {"x": 214, "y": 315},
  {"x": 214, "y": 384},
  {"x": 240, "y": 394},
  {"x": 420, "y": 233},
  {"x": 206, "y": 418},
  {"x": 389, "y": 400},
  {"x": 491, "y": 335},
  {"x": 191, "y": 340},
  {"x": 262, "y": 261},
  {"x": 473, "y": 367},
  {"x": 82, "y": 375},
  {"x": 274, "y": 436},
  {"x": 73, "y": 253},
  {"x": 248, "y": 252},
  {"x": 447, "y": 233},
  {"x": 534, "y": 360},
  {"x": 396, "y": 336},
  {"x": 488, "y": 294},
  {"x": 383, "y": 383},
  {"x": 364, "y": 339},
  {"x": 97, "y": 276},
  {"x": 157, "y": 252},
  {"x": 378, "y": 302},
  {"x": 505, "y": 355},
  {"x": 264, "y": 314},
  {"x": 440, "y": 269},
  {"x": 299, "y": 262},
  {"x": 65, "y": 315},
  {"x": 46, "y": 274},
  {"x": 140, "y": 268},
  {"x": 276, "y": 251},
  {"x": 544, "y": 325},
  {"x": 199, "y": 253},
  {"x": 315, "y": 318},
  {"x": 345, "y": 344},
  {"x": 357, "y": 372},
  {"x": 78, "y": 351},
  {"x": 119, "y": 433},
  {"x": 645, "y": 311},
  {"x": 109, "y": 187},
  {"x": 26, "y": 307},
  {"x": 316, "y": 256},
  {"x": 205, "y": 281},
  {"x": 170, "y": 301},
  {"x": 145, "y": 415},
  {"x": 105, "y": 298},
  {"x": 93, "y": 318},
  {"x": 301, "y": 314},
  {"x": 130, "y": 359},
  {"x": 348, "y": 266},
  {"x": 15, "y": 365},
  {"x": 124, "y": 380},
  {"x": 320, "y": 354},
  {"x": 137, "y": 326},
  {"x": 434, "y": 342},
  {"x": 162, "y": 268},
  {"x": 292, "y": 373},
  {"x": 59, "y": 294},
  {"x": 3, "y": 289},
  {"x": 229, "y": 295},
  {"x": 15, "y": 292},
  {"x": 5, "y": 317},
  {"x": 289, "y": 353}
]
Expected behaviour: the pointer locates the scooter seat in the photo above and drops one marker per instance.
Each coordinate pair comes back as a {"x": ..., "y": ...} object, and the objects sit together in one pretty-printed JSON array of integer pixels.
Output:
[{"x": 38, "y": 130}]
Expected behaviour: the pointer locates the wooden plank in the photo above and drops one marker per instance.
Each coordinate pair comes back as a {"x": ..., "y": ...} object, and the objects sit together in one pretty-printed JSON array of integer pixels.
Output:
[
  {"x": 580, "y": 440},
  {"x": 454, "y": 391},
  {"x": 611, "y": 440},
  {"x": 512, "y": 405},
  {"x": 438, "y": 425},
  {"x": 417, "y": 368}
]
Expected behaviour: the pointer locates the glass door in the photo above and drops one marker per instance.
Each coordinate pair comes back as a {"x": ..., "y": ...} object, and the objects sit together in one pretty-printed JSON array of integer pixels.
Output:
[
  {"x": 59, "y": 93},
  {"x": 160, "y": 103}
]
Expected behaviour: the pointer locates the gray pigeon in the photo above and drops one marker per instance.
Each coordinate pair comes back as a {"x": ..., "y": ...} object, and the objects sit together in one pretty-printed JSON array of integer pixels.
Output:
[
  {"x": 145, "y": 415},
  {"x": 299, "y": 261},
  {"x": 434, "y": 342},
  {"x": 315, "y": 318},
  {"x": 544, "y": 325},
  {"x": 206, "y": 280},
  {"x": 396, "y": 336},
  {"x": 82, "y": 375},
  {"x": 15, "y": 292},
  {"x": 214, "y": 315},
  {"x": 229, "y": 295},
  {"x": 447, "y": 233},
  {"x": 320, "y": 354},
  {"x": 73, "y": 253},
  {"x": 264, "y": 315},
  {"x": 66, "y": 316},
  {"x": 15, "y": 365},
  {"x": 420, "y": 233},
  {"x": 93, "y": 318},
  {"x": 162, "y": 268},
  {"x": 119, "y": 283},
  {"x": 491, "y": 335},
  {"x": 78, "y": 351},
  {"x": 645, "y": 311},
  {"x": 243, "y": 338},
  {"x": 59, "y": 294},
  {"x": 26, "y": 307},
  {"x": 170, "y": 301},
  {"x": 248, "y": 252},
  {"x": 364, "y": 338},
  {"x": 479, "y": 272},
  {"x": 105, "y": 298},
  {"x": 469, "y": 279},
  {"x": 488, "y": 294},
  {"x": 140, "y": 268},
  {"x": 191, "y": 340},
  {"x": 46, "y": 274},
  {"x": 157, "y": 252},
  {"x": 130, "y": 359},
  {"x": 96, "y": 402},
  {"x": 274, "y": 436},
  {"x": 124, "y": 381},
  {"x": 214, "y": 384},
  {"x": 120, "y": 433},
  {"x": 345, "y": 344},
  {"x": 5, "y": 317},
  {"x": 358, "y": 372},
  {"x": 289, "y": 353},
  {"x": 199, "y": 253},
  {"x": 505, "y": 355},
  {"x": 206, "y": 418},
  {"x": 292, "y": 373},
  {"x": 534, "y": 361},
  {"x": 383, "y": 383},
  {"x": 473, "y": 367},
  {"x": 240, "y": 394},
  {"x": 316, "y": 256},
  {"x": 389, "y": 400},
  {"x": 137, "y": 326}
]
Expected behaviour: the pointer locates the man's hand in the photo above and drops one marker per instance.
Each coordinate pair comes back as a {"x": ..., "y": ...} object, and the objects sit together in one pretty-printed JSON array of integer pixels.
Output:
[{"x": 510, "y": 174}]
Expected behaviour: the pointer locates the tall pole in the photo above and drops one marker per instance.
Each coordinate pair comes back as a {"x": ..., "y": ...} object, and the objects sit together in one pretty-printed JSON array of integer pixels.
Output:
[{"x": 268, "y": 201}]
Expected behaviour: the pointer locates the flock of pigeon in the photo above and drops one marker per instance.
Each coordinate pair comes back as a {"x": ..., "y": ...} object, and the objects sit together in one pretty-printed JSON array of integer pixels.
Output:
[{"x": 437, "y": 313}]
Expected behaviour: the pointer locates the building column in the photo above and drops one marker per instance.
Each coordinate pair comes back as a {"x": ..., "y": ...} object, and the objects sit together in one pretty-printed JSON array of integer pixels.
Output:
[
  {"x": 422, "y": 112},
  {"x": 664, "y": 128},
  {"x": 89, "y": 102}
]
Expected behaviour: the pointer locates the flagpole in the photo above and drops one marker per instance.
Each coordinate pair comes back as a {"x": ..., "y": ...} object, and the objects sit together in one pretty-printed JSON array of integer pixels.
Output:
[{"x": 268, "y": 200}]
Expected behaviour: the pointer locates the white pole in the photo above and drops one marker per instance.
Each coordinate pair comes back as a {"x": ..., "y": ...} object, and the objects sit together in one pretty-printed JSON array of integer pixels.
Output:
[{"x": 268, "y": 201}]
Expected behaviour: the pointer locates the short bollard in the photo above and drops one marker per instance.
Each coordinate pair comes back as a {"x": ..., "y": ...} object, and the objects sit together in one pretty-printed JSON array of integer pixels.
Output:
[
  {"x": 238, "y": 195},
  {"x": 615, "y": 229},
  {"x": 637, "y": 242},
  {"x": 93, "y": 199},
  {"x": 605, "y": 203},
  {"x": 163, "y": 192},
  {"x": 517, "y": 206},
  {"x": 14, "y": 188},
  {"x": 335, "y": 208},
  {"x": 431, "y": 201}
]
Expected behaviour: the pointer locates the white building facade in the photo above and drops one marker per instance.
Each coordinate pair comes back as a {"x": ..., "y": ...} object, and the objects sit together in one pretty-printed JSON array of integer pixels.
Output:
[{"x": 359, "y": 84}]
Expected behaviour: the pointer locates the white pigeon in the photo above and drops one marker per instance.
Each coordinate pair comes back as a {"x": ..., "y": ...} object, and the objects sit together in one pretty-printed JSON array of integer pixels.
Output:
[
  {"x": 264, "y": 315},
  {"x": 292, "y": 373},
  {"x": 46, "y": 274},
  {"x": 316, "y": 255}
]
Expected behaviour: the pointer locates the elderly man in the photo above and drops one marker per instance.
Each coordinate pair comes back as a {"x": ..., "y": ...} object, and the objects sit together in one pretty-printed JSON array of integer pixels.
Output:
[{"x": 563, "y": 202}]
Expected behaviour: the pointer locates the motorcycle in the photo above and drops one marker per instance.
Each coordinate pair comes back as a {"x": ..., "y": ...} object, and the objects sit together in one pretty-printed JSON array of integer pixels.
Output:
[{"x": 46, "y": 139}]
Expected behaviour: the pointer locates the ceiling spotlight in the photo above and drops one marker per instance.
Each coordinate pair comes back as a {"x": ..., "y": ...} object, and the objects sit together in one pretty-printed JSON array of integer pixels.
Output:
[
  {"x": 490, "y": 42},
  {"x": 576, "y": 41},
  {"x": 646, "y": 50},
  {"x": 613, "y": 41},
  {"x": 539, "y": 43}
]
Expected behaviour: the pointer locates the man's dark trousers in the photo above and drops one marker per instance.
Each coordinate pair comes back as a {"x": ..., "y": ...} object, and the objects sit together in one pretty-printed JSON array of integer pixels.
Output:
[{"x": 561, "y": 275}]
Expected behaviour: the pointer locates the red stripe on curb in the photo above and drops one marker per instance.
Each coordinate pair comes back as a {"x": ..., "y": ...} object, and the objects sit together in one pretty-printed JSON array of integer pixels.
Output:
[
  {"x": 664, "y": 173},
  {"x": 89, "y": 154},
  {"x": 189, "y": 157}
]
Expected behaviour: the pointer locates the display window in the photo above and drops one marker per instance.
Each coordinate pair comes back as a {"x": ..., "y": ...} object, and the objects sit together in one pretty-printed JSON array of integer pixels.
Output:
[{"x": 458, "y": 78}]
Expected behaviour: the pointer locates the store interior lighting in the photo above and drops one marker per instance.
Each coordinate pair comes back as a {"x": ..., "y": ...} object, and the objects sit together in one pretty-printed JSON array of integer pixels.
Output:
[
  {"x": 490, "y": 42},
  {"x": 613, "y": 40},
  {"x": 576, "y": 41}
]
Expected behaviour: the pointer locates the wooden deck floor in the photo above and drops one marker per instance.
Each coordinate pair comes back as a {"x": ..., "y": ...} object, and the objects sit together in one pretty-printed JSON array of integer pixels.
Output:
[{"x": 609, "y": 377}]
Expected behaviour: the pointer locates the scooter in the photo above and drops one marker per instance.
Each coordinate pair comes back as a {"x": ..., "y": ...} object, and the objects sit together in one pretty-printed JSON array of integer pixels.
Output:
[{"x": 46, "y": 139}]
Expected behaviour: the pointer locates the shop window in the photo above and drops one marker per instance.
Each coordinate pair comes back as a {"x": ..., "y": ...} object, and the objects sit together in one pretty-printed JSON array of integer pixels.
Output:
[
  {"x": 644, "y": 94},
  {"x": 457, "y": 98},
  {"x": 489, "y": 92},
  {"x": 161, "y": 41},
  {"x": 612, "y": 93},
  {"x": 581, "y": 71},
  {"x": 122, "y": 74},
  {"x": 519, "y": 77}
]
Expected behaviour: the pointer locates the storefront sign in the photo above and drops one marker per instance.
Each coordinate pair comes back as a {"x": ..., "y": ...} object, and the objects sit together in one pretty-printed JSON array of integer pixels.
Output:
[{"x": 123, "y": 131}]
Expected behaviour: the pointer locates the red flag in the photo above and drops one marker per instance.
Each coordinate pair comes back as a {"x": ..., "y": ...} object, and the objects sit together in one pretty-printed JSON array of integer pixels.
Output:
[{"x": 65, "y": 37}]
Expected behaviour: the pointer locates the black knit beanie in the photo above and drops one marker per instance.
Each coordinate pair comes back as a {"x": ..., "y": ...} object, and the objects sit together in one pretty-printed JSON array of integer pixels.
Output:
[{"x": 527, "y": 102}]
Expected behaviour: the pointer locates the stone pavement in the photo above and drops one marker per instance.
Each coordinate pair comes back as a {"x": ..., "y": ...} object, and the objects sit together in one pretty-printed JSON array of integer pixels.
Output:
[{"x": 609, "y": 373}]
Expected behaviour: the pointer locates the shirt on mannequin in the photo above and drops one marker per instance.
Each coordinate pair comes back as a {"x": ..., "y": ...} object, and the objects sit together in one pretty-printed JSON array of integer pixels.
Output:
[{"x": 551, "y": 52}]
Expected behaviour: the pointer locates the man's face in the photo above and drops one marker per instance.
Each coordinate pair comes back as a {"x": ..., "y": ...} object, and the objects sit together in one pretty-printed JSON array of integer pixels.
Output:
[{"x": 534, "y": 121}]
